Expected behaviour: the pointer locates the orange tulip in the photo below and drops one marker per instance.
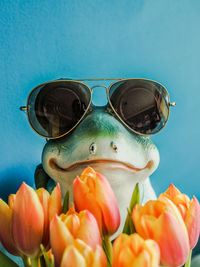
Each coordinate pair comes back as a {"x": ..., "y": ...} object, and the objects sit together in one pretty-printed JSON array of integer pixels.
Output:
[
  {"x": 189, "y": 209},
  {"x": 134, "y": 251},
  {"x": 93, "y": 192},
  {"x": 79, "y": 254},
  {"x": 24, "y": 223},
  {"x": 163, "y": 223},
  {"x": 68, "y": 227}
]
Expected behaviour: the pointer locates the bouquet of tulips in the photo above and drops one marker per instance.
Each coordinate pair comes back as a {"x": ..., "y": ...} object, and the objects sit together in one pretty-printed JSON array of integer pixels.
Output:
[{"x": 36, "y": 226}]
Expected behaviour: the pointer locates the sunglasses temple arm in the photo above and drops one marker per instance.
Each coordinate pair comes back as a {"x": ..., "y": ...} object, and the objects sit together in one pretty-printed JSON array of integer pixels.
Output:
[
  {"x": 23, "y": 108},
  {"x": 172, "y": 104}
]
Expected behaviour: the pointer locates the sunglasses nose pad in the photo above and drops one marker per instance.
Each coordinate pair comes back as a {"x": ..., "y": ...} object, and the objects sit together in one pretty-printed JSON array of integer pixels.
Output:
[{"x": 99, "y": 96}]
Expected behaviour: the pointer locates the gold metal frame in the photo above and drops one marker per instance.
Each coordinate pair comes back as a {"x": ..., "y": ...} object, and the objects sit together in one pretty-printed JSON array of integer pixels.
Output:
[{"x": 25, "y": 108}]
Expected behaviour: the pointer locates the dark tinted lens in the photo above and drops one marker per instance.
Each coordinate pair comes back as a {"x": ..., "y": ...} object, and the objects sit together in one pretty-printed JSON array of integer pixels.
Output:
[
  {"x": 141, "y": 104},
  {"x": 56, "y": 107}
]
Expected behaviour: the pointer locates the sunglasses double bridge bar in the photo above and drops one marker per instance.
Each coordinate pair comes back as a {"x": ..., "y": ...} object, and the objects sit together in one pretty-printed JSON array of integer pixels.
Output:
[{"x": 55, "y": 108}]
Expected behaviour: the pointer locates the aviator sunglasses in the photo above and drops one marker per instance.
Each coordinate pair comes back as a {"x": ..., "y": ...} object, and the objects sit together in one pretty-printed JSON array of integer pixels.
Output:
[{"x": 55, "y": 108}]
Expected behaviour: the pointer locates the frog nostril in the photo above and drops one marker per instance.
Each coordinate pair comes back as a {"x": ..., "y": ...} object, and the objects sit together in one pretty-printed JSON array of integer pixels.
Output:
[
  {"x": 92, "y": 148},
  {"x": 114, "y": 146}
]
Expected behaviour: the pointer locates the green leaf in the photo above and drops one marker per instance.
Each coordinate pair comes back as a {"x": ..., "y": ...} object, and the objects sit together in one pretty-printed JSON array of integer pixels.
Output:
[
  {"x": 135, "y": 199},
  {"x": 66, "y": 202},
  {"x": 188, "y": 262},
  {"x": 49, "y": 263},
  {"x": 6, "y": 261},
  {"x": 107, "y": 247}
]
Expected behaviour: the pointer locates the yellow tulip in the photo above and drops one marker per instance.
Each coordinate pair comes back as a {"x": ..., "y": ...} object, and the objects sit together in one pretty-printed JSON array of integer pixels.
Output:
[{"x": 134, "y": 251}]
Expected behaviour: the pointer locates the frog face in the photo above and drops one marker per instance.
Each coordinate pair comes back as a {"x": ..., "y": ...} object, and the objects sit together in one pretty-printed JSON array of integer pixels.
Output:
[
  {"x": 102, "y": 142},
  {"x": 112, "y": 139}
]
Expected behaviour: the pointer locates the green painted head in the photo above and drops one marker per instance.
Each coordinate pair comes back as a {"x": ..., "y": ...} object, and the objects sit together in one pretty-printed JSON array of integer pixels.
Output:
[{"x": 104, "y": 143}]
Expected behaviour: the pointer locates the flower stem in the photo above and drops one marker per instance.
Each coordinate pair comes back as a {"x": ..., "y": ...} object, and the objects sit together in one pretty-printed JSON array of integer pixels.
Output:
[
  {"x": 107, "y": 246},
  {"x": 26, "y": 261},
  {"x": 34, "y": 262},
  {"x": 188, "y": 262}
]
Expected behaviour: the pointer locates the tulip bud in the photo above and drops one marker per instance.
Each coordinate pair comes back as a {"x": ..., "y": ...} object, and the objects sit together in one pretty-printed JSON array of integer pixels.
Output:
[
  {"x": 162, "y": 222},
  {"x": 93, "y": 192},
  {"x": 189, "y": 209},
  {"x": 24, "y": 223},
  {"x": 132, "y": 250},
  {"x": 27, "y": 221}
]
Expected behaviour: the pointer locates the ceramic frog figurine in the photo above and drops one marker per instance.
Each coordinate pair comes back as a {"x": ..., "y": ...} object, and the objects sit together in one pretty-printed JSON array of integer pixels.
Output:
[{"x": 109, "y": 138}]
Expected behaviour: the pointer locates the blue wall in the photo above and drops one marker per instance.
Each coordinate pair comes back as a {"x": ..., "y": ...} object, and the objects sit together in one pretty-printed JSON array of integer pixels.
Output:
[{"x": 155, "y": 39}]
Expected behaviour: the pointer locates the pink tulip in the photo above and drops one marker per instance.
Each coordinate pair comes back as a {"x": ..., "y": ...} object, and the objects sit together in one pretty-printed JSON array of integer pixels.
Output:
[
  {"x": 162, "y": 222},
  {"x": 68, "y": 227},
  {"x": 93, "y": 192},
  {"x": 189, "y": 209},
  {"x": 24, "y": 223},
  {"x": 79, "y": 254},
  {"x": 132, "y": 250}
]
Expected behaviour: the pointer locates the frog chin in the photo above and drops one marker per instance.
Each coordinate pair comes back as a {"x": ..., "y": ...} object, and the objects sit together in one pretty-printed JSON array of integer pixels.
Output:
[{"x": 121, "y": 176}]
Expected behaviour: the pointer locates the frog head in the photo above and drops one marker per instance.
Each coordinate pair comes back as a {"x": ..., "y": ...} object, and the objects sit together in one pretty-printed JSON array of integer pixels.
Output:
[{"x": 102, "y": 142}]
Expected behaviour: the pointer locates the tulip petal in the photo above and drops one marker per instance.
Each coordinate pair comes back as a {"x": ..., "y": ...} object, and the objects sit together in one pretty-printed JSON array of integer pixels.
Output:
[
  {"x": 55, "y": 202},
  {"x": 5, "y": 228},
  {"x": 72, "y": 257},
  {"x": 43, "y": 196},
  {"x": 172, "y": 191},
  {"x": 60, "y": 238},
  {"x": 143, "y": 260},
  {"x": 27, "y": 221},
  {"x": 85, "y": 251},
  {"x": 108, "y": 204},
  {"x": 192, "y": 222},
  {"x": 89, "y": 231},
  {"x": 100, "y": 259},
  {"x": 172, "y": 240},
  {"x": 11, "y": 200},
  {"x": 154, "y": 252},
  {"x": 81, "y": 192},
  {"x": 125, "y": 258},
  {"x": 171, "y": 207}
]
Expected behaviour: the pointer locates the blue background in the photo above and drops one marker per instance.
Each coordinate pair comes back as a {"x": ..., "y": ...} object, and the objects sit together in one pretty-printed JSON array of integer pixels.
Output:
[{"x": 155, "y": 39}]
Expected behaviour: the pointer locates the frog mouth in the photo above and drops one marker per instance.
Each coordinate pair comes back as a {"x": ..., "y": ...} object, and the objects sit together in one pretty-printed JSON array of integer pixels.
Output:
[{"x": 106, "y": 163}]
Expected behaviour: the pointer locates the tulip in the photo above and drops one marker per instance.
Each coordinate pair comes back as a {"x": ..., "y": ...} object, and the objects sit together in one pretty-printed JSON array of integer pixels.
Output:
[
  {"x": 189, "y": 209},
  {"x": 79, "y": 254},
  {"x": 51, "y": 205},
  {"x": 162, "y": 222},
  {"x": 24, "y": 223},
  {"x": 68, "y": 227},
  {"x": 93, "y": 192},
  {"x": 134, "y": 251},
  {"x": 5, "y": 229}
]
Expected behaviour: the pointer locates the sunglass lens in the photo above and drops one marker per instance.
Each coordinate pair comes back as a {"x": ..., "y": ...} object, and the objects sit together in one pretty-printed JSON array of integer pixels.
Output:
[
  {"x": 141, "y": 104},
  {"x": 56, "y": 107}
]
